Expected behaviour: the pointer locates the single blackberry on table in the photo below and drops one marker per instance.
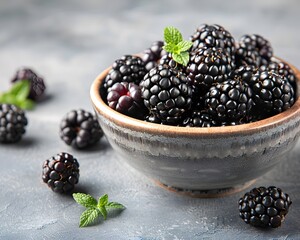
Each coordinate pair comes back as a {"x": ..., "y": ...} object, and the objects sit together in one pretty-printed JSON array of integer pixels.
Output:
[
  {"x": 127, "y": 98},
  {"x": 166, "y": 94},
  {"x": 229, "y": 101},
  {"x": 208, "y": 66},
  {"x": 213, "y": 36},
  {"x": 199, "y": 118},
  {"x": 37, "y": 85},
  {"x": 282, "y": 69},
  {"x": 80, "y": 129},
  {"x": 153, "y": 54},
  {"x": 260, "y": 44},
  {"x": 126, "y": 69},
  {"x": 12, "y": 123},
  {"x": 271, "y": 93},
  {"x": 61, "y": 172},
  {"x": 264, "y": 207}
]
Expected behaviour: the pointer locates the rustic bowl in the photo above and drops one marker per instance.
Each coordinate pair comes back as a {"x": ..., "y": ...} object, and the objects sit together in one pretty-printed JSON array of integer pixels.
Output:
[{"x": 198, "y": 161}]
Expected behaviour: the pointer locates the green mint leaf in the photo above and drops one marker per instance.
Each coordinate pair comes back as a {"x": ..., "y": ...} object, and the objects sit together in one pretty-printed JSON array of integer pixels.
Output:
[
  {"x": 172, "y": 35},
  {"x": 103, "y": 211},
  {"x": 26, "y": 104},
  {"x": 23, "y": 90},
  {"x": 115, "y": 205},
  {"x": 85, "y": 200},
  {"x": 89, "y": 216},
  {"x": 184, "y": 45},
  {"x": 20, "y": 89},
  {"x": 103, "y": 200},
  {"x": 169, "y": 48},
  {"x": 8, "y": 98},
  {"x": 182, "y": 58}
]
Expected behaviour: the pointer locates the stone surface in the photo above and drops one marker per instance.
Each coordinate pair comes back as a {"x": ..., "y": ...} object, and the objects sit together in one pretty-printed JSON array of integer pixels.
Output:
[{"x": 69, "y": 43}]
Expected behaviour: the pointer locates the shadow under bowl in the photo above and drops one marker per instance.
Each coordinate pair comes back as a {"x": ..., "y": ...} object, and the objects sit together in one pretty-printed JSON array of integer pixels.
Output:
[{"x": 199, "y": 160}]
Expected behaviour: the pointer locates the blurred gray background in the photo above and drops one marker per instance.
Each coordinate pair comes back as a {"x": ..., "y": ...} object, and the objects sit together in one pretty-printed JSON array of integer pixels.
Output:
[{"x": 69, "y": 43}]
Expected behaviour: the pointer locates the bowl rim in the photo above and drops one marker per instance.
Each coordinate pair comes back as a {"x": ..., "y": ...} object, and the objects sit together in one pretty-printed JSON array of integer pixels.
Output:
[{"x": 134, "y": 124}]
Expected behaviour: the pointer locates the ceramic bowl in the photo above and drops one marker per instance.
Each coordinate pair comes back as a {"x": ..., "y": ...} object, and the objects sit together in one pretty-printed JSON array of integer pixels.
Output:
[{"x": 199, "y": 160}]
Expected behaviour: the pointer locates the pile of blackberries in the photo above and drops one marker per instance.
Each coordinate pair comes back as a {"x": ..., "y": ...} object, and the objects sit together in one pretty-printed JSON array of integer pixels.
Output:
[{"x": 225, "y": 82}]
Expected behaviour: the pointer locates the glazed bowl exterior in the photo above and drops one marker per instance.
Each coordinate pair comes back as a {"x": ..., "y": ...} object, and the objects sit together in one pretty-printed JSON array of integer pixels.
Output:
[{"x": 199, "y": 158}]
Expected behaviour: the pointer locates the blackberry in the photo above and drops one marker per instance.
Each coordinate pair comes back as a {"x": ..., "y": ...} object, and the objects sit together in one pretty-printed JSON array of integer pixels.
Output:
[
  {"x": 199, "y": 118},
  {"x": 259, "y": 44},
  {"x": 168, "y": 60},
  {"x": 264, "y": 207},
  {"x": 166, "y": 94},
  {"x": 12, "y": 123},
  {"x": 126, "y": 69},
  {"x": 282, "y": 69},
  {"x": 229, "y": 101},
  {"x": 246, "y": 55},
  {"x": 37, "y": 85},
  {"x": 213, "y": 36},
  {"x": 80, "y": 129},
  {"x": 153, "y": 54},
  {"x": 61, "y": 172},
  {"x": 244, "y": 73},
  {"x": 271, "y": 93},
  {"x": 152, "y": 118},
  {"x": 208, "y": 66},
  {"x": 126, "y": 98}
]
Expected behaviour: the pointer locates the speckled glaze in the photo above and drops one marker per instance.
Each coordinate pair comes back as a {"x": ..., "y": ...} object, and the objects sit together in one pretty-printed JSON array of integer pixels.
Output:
[{"x": 199, "y": 158}]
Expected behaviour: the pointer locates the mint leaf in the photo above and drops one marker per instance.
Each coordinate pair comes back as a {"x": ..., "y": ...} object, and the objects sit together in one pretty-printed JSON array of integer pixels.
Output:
[
  {"x": 115, "y": 205},
  {"x": 184, "y": 46},
  {"x": 103, "y": 200},
  {"x": 172, "y": 35},
  {"x": 169, "y": 47},
  {"x": 175, "y": 45},
  {"x": 94, "y": 209},
  {"x": 85, "y": 200},
  {"x": 22, "y": 90},
  {"x": 103, "y": 211},
  {"x": 26, "y": 104},
  {"x": 182, "y": 58},
  {"x": 17, "y": 87},
  {"x": 88, "y": 217}
]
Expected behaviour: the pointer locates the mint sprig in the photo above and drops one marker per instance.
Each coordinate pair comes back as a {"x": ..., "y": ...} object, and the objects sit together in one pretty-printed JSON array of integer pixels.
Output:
[
  {"x": 94, "y": 209},
  {"x": 18, "y": 95},
  {"x": 175, "y": 45}
]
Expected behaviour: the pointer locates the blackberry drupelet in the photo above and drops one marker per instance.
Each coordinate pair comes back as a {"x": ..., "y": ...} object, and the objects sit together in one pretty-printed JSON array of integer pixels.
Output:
[
  {"x": 126, "y": 69},
  {"x": 208, "y": 66},
  {"x": 153, "y": 54},
  {"x": 271, "y": 93},
  {"x": 61, "y": 172},
  {"x": 213, "y": 36},
  {"x": 12, "y": 123},
  {"x": 229, "y": 101},
  {"x": 37, "y": 85},
  {"x": 282, "y": 69},
  {"x": 80, "y": 129},
  {"x": 261, "y": 45},
  {"x": 166, "y": 94},
  {"x": 199, "y": 118},
  {"x": 264, "y": 207},
  {"x": 127, "y": 98}
]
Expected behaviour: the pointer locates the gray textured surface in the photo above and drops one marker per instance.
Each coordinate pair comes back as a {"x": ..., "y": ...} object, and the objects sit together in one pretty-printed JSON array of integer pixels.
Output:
[{"x": 69, "y": 43}]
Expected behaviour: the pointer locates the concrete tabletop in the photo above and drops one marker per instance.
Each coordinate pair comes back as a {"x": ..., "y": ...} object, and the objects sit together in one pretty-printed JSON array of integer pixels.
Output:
[{"x": 69, "y": 43}]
